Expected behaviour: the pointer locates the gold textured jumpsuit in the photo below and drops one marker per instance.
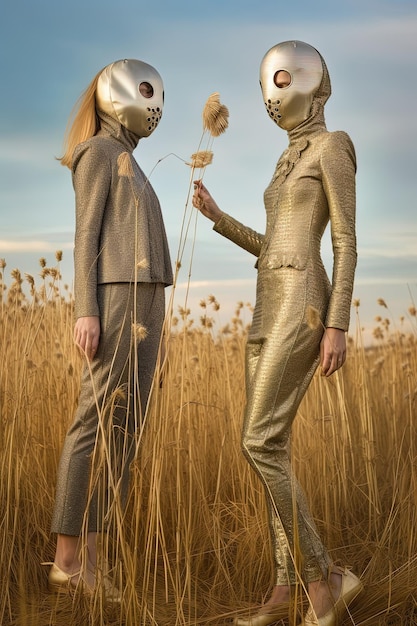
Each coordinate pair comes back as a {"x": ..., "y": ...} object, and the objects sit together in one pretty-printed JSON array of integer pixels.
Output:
[{"x": 314, "y": 182}]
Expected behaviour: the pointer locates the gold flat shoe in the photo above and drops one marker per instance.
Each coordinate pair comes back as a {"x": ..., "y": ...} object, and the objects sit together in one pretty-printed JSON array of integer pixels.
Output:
[
  {"x": 351, "y": 587},
  {"x": 284, "y": 610},
  {"x": 61, "y": 582},
  {"x": 111, "y": 593},
  {"x": 261, "y": 619}
]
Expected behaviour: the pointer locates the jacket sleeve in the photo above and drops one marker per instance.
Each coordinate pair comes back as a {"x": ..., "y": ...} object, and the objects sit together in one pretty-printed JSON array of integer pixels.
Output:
[
  {"x": 338, "y": 165},
  {"x": 91, "y": 174},
  {"x": 241, "y": 235}
]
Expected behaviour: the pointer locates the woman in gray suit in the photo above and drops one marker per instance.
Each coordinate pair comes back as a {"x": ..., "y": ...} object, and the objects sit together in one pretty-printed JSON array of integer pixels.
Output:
[{"x": 122, "y": 266}]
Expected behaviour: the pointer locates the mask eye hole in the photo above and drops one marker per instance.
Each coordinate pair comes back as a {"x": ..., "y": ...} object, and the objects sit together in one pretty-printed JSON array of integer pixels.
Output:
[
  {"x": 146, "y": 90},
  {"x": 282, "y": 79}
]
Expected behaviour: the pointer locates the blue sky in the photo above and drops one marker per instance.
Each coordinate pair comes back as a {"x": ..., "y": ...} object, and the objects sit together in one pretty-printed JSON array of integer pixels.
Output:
[{"x": 51, "y": 51}]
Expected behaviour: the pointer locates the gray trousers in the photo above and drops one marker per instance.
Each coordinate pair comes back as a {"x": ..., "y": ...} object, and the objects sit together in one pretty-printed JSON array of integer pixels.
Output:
[{"x": 99, "y": 446}]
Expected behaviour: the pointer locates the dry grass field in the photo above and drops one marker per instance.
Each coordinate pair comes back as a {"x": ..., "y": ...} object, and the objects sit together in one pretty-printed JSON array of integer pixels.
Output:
[{"x": 193, "y": 545}]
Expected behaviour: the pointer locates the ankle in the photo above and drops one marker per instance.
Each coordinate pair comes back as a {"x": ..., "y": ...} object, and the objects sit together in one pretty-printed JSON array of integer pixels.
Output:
[
  {"x": 67, "y": 553},
  {"x": 321, "y": 597},
  {"x": 280, "y": 594},
  {"x": 68, "y": 565},
  {"x": 335, "y": 584}
]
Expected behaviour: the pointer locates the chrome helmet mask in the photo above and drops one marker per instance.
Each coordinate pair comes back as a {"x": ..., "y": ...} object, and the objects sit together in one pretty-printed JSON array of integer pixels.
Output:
[
  {"x": 309, "y": 86},
  {"x": 131, "y": 92}
]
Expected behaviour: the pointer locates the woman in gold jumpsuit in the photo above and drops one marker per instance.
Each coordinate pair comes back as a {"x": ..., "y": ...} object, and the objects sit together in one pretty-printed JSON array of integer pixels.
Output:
[{"x": 313, "y": 183}]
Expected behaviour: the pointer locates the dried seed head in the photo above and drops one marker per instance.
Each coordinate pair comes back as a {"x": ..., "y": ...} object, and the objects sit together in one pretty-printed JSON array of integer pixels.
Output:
[
  {"x": 356, "y": 303},
  {"x": 30, "y": 279},
  {"x": 184, "y": 313},
  {"x": 377, "y": 333},
  {"x": 313, "y": 317},
  {"x": 16, "y": 275},
  {"x": 382, "y": 302},
  {"x": 119, "y": 394},
  {"x": 206, "y": 322},
  {"x": 2, "y": 263},
  {"x": 215, "y": 115},
  {"x": 412, "y": 311},
  {"x": 55, "y": 273},
  {"x": 201, "y": 159},
  {"x": 58, "y": 255},
  {"x": 213, "y": 302},
  {"x": 143, "y": 265},
  {"x": 42, "y": 262},
  {"x": 124, "y": 165},
  {"x": 139, "y": 332}
]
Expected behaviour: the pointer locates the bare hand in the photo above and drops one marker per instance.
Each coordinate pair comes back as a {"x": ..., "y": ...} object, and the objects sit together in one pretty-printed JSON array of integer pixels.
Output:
[
  {"x": 203, "y": 201},
  {"x": 87, "y": 335},
  {"x": 332, "y": 351}
]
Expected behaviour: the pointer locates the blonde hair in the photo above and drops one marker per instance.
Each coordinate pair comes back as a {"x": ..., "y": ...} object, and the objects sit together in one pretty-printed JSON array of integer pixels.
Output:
[{"x": 83, "y": 122}]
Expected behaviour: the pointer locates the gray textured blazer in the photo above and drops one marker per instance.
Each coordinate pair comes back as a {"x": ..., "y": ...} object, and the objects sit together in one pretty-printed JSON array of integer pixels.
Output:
[{"x": 119, "y": 224}]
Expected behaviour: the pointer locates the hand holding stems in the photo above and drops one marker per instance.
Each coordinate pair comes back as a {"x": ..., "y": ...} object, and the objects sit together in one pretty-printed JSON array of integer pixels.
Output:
[
  {"x": 332, "y": 351},
  {"x": 203, "y": 201},
  {"x": 87, "y": 335}
]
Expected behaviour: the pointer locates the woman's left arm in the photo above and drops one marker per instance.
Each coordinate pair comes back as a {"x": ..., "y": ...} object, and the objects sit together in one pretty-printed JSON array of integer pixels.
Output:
[{"x": 338, "y": 163}]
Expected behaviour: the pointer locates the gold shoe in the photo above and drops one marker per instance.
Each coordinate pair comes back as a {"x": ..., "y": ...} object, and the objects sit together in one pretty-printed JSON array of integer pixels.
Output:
[
  {"x": 261, "y": 619},
  {"x": 351, "y": 587},
  {"x": 59, "y": 582},
  {"x": 111, "y": 593},
  {"x": 284, "y": 610}
]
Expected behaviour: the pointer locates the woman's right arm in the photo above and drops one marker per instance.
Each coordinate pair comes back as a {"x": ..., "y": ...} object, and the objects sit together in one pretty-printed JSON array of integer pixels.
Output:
[
  {"x": 224, "y": 224},
  {"x": 91, "y": 180}
]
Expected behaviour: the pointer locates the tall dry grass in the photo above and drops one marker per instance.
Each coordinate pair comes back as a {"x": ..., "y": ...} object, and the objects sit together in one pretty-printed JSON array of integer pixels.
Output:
[{"x": 193, "y": 545}]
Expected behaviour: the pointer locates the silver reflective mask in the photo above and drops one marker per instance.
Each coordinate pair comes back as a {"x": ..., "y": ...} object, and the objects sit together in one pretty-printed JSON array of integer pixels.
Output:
[
  {"x": 291, "y": 105},
  {"x": 131, "y": 92}
]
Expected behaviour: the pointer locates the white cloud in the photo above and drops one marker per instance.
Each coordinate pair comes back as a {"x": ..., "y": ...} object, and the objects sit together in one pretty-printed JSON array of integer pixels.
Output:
[
  {"x": 209, "y": 284},
  {"x": 381, "y": 280},
  {"x": 35, "y": 245},
  {"x": 401, "y": 250},
  {"x": 33, "y": 149}
]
